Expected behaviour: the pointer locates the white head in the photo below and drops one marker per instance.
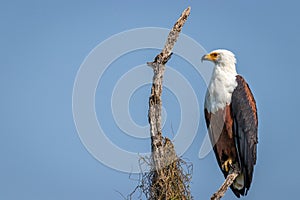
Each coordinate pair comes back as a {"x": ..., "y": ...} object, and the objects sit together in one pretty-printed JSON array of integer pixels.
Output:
[
  {"x": 221, "y": 58},
  {"x": 223, "y": 80}
]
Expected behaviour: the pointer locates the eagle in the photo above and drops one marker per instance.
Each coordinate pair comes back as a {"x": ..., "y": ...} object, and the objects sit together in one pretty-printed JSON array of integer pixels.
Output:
[{"x": 231, "y": 119}]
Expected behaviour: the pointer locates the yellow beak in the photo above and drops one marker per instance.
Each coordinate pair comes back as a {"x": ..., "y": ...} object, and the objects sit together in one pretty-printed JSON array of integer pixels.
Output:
[{"x": 207, "y": 57}]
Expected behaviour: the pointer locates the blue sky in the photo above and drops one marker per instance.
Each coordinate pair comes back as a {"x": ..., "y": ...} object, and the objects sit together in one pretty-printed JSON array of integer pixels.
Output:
[{"x": 43, "y": 45}]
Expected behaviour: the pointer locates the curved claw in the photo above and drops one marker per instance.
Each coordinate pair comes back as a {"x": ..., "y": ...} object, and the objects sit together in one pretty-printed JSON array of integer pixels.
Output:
[{"x": 227, "y": 165}]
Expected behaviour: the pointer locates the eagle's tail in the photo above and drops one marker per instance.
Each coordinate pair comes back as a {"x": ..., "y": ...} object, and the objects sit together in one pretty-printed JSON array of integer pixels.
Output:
[{"x": 238, "y": 186}]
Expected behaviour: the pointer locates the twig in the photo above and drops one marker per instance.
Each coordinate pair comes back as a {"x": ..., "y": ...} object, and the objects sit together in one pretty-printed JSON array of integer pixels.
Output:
[{"x": 227, "y": 183}]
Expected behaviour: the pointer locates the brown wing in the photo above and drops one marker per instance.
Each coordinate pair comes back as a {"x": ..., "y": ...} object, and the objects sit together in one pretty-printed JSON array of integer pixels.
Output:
[
  {"x": 214, "y": 121},
  {"x": 221, "y": 135},
  {"x": 244, "y": 113}
]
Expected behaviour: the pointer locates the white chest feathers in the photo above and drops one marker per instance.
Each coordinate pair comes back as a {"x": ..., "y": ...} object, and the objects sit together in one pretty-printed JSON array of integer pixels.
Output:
[{"x": 220, "y": 89}]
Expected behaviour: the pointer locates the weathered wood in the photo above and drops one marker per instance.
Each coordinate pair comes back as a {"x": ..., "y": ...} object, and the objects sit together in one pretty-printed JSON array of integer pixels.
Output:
[
  {"x": 224, "y": 187},
  {"x": 155, "y": 103}
]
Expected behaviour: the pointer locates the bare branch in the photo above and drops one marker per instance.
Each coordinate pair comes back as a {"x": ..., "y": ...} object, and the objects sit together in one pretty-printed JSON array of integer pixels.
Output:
[
  {"x": 155, "y": 104},
  {"x": 227, "y": 183},
  {"x": 168, "y": 180}
]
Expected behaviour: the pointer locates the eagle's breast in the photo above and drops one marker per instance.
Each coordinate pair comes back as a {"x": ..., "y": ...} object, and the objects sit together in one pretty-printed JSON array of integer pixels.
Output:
[{"x": 220, "y": 90}]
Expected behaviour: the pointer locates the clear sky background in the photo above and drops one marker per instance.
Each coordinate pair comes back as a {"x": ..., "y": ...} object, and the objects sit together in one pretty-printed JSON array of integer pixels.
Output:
[{"x": 43, "y": 44}]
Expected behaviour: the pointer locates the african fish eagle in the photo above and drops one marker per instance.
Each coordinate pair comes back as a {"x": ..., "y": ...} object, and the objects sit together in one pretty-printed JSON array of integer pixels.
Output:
[{"x": 231, "y": 119}]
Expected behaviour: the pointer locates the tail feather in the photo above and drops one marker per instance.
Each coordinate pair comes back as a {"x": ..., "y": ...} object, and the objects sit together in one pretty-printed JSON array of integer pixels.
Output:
[{"x": 238, "y": 186}]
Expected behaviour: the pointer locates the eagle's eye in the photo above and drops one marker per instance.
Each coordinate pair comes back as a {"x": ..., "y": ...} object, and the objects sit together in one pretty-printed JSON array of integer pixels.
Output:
[{"x": 214, "y": 55}]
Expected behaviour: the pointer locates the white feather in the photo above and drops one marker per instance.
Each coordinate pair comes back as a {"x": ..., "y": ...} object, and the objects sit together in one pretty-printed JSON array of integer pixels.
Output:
[{"x": 222, "y": 83}]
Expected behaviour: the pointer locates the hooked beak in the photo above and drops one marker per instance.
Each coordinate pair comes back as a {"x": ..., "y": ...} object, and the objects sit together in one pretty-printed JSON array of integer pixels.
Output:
[
  {"x": 205, "y": 57},
  {"x": 209, "y": 57}
]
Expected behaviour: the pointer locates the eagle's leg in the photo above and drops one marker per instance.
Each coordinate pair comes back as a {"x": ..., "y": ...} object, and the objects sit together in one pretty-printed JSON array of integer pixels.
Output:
[{"x": 227, "y": 165}]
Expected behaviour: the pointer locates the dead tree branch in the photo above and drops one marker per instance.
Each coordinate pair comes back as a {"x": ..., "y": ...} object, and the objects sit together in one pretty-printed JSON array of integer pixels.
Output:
[
  {"x": 227, "y": 183},
  {"x": 155, "y": 103},
  {"x": 167, "y": 176}
]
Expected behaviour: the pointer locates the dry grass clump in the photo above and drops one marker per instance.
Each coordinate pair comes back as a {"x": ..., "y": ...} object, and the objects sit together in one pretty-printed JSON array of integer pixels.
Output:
[{"x": 172, "y": 182}]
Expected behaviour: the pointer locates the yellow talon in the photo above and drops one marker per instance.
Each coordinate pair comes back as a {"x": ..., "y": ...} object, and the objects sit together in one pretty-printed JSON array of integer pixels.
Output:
[{"x": 226, "y": 164}]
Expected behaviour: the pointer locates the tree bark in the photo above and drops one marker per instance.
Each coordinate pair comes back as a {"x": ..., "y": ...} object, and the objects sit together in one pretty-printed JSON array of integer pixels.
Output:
[
  {"x": 167, "y": 178},
  {"x": 155, "y": 103},
  {"x": 224, "y": 187}
]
